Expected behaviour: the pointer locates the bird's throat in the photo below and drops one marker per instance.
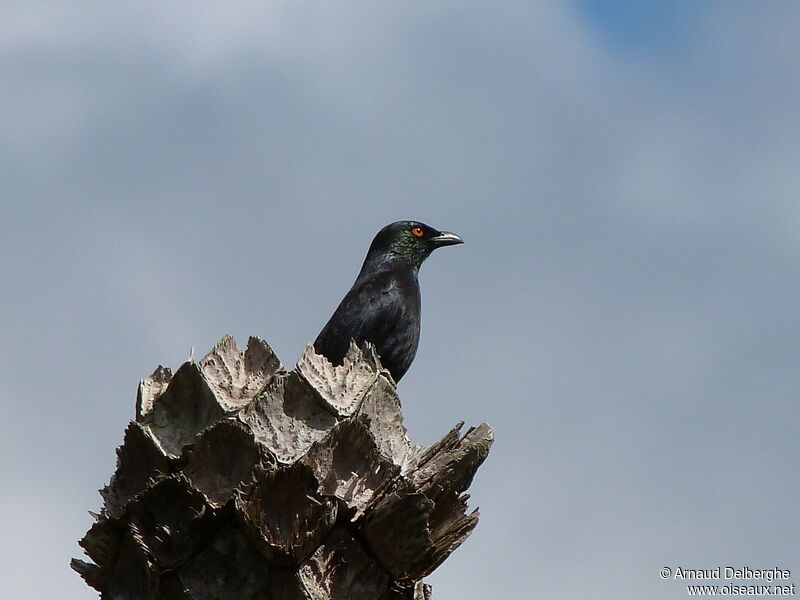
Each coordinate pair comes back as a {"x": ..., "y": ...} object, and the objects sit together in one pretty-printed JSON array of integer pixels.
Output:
[{"x": 409, "y": 252}]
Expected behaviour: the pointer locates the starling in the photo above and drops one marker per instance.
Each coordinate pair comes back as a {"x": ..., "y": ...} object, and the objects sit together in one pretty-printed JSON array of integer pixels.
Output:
[{"x": 383, "y": 306}]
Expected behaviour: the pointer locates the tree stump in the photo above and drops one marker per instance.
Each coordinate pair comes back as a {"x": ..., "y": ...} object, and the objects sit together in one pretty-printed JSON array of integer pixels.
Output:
[{"x": 240, "y": 480}]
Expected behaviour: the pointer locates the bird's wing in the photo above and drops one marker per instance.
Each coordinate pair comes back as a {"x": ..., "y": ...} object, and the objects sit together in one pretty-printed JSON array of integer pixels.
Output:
[{"x": 367, "y": 312}]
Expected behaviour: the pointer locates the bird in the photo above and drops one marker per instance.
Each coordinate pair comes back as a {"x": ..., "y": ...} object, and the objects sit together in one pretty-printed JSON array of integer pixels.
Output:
[{"x": 384, "y": 304}]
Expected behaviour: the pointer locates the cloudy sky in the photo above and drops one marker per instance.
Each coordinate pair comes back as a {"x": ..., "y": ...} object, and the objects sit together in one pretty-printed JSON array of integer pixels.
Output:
[{"x": 624, "y": 312}]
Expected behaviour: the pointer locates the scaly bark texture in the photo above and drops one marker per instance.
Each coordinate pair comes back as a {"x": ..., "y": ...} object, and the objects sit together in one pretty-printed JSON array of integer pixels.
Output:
[{"x": 239, "y": 480}]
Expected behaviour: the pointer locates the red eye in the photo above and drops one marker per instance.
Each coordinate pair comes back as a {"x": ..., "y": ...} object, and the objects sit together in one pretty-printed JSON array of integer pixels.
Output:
[{"x": 417, "y": 231}]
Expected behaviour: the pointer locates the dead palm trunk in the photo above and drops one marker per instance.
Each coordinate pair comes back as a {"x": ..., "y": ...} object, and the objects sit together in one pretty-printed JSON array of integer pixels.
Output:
[{"x": 239, "y": 480}]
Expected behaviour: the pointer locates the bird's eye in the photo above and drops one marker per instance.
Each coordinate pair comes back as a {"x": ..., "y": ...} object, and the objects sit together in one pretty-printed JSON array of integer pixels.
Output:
[{"x": 417, "y": 231}]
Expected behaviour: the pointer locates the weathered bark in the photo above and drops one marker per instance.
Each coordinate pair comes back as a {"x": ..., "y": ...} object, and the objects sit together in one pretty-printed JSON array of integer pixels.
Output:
[{"x": 239, "y": 480}]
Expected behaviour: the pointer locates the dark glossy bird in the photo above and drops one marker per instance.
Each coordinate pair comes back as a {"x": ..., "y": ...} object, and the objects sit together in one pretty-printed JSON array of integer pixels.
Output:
[{"x": 383, "y": 306}]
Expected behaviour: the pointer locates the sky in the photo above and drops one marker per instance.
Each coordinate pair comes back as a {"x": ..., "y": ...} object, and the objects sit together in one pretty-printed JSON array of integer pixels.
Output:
[{"x": 624, "y": 311}]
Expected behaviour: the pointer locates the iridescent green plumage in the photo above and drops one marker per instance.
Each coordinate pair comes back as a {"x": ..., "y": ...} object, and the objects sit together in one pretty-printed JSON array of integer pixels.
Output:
[{"x": 383, "y": 306}]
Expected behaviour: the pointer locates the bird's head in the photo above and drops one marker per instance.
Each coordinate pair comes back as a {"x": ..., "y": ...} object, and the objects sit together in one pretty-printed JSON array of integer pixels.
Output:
[{"x": 410, "y": 242}]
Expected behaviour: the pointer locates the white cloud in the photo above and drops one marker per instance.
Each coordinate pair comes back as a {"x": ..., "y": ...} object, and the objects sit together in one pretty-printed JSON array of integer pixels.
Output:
[{"x": 622, "y": 307}]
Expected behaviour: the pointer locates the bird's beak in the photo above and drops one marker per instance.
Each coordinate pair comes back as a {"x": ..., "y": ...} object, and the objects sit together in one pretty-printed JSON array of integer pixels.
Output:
[{"x": 445, "y": 238}]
